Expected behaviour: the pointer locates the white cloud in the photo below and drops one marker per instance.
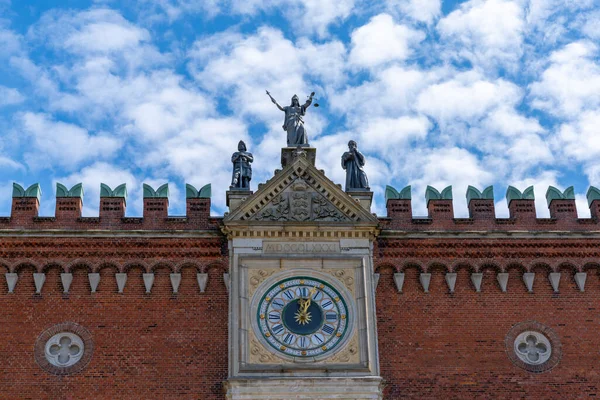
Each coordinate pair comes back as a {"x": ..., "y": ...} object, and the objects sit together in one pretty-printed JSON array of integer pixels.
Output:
[
  {"x": 93, "y": 31},
  {"x": 10, "y": 96},
  {"x": 591, "y": 25},
  {"x": 488, "y": 33},
  {"x": 385, "y": 136},
  {"x": 420, "y": 10},
  {"x": 442, "y": 167},
  {"x": 10, "y": 42},
  {"x": 307, "y": 16},
  {"x": 571, "y": 82},
  {"x": 381, "y": 41},
  {"x": 579, "y": 139},
  {"x": 64, "y": 144},
  {"x": 467, "y": 97}
]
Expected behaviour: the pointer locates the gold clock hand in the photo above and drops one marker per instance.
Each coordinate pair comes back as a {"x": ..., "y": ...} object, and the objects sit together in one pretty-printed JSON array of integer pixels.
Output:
[{"x": 310, "y": 294}]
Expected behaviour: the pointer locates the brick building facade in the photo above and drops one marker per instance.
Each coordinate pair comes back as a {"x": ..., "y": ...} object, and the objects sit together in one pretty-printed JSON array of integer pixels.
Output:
[{"x": 149, "y": 297}]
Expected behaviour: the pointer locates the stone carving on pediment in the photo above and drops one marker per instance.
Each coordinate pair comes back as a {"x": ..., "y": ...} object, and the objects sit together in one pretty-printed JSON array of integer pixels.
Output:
[{"x": 299, "y": 203}]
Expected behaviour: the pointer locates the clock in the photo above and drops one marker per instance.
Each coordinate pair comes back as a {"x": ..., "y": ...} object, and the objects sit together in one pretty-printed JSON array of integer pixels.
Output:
[{"x": 303, "y": 317}]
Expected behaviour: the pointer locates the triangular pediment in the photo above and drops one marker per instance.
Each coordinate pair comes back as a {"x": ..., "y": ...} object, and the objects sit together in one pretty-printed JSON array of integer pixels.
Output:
[{"x": 300, "y": 193}]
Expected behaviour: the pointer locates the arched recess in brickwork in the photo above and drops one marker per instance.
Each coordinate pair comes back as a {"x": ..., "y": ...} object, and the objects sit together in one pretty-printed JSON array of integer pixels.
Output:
[
  {"x": 567, "y": 266},
  {"x": 590, "y": 265},
  {"x": 106, "y": 265},
  {"x": 539, "y": 264},
  {"x": 79, "y": 264},
  {"x": 215, "y": 265},
  {"x": 515, "y": 267},
  {"x": 163, "y": 264},
  {"x": 385, "y": 267},
  {"x": 135, "y": 264},
  {"x": 26, "y": 264},
  {"x": 463, "y": 265},
  {"x": 491, "y": 266},
  {"x": 187, "y": 264},
  {"x": 412, "y": 264},
  {"x": 51, "y": 264},
  {"x": 436, "y": 266}
]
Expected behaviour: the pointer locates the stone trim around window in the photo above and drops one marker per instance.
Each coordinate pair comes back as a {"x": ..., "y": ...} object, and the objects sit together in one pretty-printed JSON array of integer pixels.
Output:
[
  {"x": 51, "y": 337},
  {"x": 534, "y": 337}
]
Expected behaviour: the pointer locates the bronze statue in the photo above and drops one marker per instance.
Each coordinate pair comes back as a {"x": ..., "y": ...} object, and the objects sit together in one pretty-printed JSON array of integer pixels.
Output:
[
  {"x": 353, "y": 162},
  {"x": 242, "y": 170},
  {"x": 293, "y": 123}
]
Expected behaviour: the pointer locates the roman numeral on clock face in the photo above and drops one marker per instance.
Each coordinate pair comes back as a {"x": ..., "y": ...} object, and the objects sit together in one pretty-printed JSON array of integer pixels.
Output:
[
  {"x": 278, "y": 303},
  {"x": 303, "y": 341},
  {"x": 273, "y": 316},
  {"x": 326, "y": 303},
  {"x": 277, "y": 329},
  {"x": 289, "y": 338},
  {"x": 288, "y": 294},
  {"x": 328, "y": 329},
  {"x": 331, "y": 316}
]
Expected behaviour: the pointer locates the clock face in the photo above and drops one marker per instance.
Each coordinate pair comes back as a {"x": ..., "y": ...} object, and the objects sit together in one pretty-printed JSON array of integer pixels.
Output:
[{"x": 303, "y": 317}]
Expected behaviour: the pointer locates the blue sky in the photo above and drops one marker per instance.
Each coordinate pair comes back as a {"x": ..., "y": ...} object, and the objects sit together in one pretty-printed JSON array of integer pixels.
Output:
[{"x": 494, "y": 92}]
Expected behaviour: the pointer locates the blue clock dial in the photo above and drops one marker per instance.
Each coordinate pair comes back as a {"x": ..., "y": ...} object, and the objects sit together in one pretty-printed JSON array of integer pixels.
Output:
[{"x": 303, "y": 317}]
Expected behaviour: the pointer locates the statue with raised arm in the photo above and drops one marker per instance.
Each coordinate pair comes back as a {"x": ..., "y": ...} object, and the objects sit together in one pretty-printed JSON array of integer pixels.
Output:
[
  {"x": 293, "y": 123},
  {"x": 353, "y": 162},
  {"x": 242, "y": 170}
]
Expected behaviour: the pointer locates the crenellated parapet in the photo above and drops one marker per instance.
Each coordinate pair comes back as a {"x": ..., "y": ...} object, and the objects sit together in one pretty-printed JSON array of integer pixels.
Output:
[
  {"x": 113, "y": 203},
  {"x": 482, "y": 216}
]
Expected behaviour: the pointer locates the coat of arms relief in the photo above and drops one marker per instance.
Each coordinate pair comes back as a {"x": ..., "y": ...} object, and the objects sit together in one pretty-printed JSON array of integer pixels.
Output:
[{"x": 299, "y": 202}]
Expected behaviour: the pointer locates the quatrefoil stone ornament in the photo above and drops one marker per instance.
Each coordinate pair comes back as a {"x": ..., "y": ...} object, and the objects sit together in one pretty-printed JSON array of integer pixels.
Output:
[
  {"x": 64, "y": 349},
  {"x": 533, "y": 348}
]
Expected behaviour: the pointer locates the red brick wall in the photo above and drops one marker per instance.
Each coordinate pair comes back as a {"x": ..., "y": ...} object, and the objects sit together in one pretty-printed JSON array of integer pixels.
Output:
[
  {"x": 434, "y": 345},
  {"x": 441, "y": 345},
  {"x": 156, "y": 345}
]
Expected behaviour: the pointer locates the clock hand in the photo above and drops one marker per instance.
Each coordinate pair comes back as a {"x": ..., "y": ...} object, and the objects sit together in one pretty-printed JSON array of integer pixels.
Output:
[{"x": 307, "y": 301}]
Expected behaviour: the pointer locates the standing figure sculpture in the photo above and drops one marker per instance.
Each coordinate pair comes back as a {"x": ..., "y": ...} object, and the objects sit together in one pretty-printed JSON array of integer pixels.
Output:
[
  {"x": 242, "y": 171},
  {"x": 353, "y": 162},
  {"x": 293, "y": 123}
]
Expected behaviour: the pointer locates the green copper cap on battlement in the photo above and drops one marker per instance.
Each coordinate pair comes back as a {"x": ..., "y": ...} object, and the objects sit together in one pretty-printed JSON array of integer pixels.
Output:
[
  {"x": 161, "y": 193},
  {"x": 32, "y": 191},
  {"x": 120, "y": 191},
  {"x": 204, "y": 193},
  {"x": 592, "y": 194},
  {"x": 393, "y": 194},
  {"x": 512, "y": 193},
  {"x": 432, "y": 193},
  {"x": 474, "y": 193},
  {"x": 75, "y": 191},
  {"x": 555, "y": 194}
]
